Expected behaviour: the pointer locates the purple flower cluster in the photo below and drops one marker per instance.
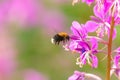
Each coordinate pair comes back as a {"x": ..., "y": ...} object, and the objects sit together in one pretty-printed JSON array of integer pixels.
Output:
[
  {"x": 106, "y": 14},
  {"x": 87, "y": 48},
  {"x": 83, "y": 76}
]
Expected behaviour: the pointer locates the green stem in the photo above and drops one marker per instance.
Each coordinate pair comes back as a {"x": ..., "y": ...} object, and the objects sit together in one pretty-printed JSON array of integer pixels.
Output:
[{"x": 109, "y": 50}]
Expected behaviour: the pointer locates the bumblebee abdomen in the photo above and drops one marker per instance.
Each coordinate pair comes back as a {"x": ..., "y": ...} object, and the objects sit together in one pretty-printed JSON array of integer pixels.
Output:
[{"x": 57, "y": 39}]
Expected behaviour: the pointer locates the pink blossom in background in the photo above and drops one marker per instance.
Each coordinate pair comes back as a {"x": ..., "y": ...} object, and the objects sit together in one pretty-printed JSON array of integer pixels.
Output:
[
  {"x": 50, "y": 20},
  {"x": 33, "y": 75},
  {"x": 7, "y": 55},
  {"x": 4, "y": 7},
  {"x": 53, "y": 21},
  {"x": 23, "y": 11},
  {"x": 7, "y": 66},
  {"x": 31, "y": 12}
]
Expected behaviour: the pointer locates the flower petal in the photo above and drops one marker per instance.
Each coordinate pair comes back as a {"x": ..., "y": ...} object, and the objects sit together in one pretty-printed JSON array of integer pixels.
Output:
[
  {"x": 77, "y": 76},
  {"x": 117, "y": 50},
  {"x": 91, "y": 26},
  {"x": 107, "y": 5},
  {"x": 94, "y": 43},
  {"x": 94, "y": 61},
  {"x": 99, "y": 11},
  {"x": 83, "y": 58},
  {"x": 88, "y": 1},
  {"x": 116, "y": 60},
  {"x": 76, "y": 28},
  {"x": 73, "y": 45},
  {"x": 84, "y": 45},
  {"x": 96, "y": 19}
]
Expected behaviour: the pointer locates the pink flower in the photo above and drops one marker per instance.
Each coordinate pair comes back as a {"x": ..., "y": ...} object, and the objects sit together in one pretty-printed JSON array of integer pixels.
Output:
[
  {"x": 83, "y": 76},
  {"x": 102, "y": 20},
  {"x": 116, "y": 64},
  {"x": 77, "y": 76},
  {"x": 116, "y": 70},
  {"x": 23, "y": 11},
  {"x": 7, "y": 65},
  {"x": 33, "y": 75},
  {"x": 19, "y": 11},
  {"x": 53, "y": 21},
  {"x": 87, "y": 48},
  {"x": 7, "y": 55},
  {"x": 117, "y": 57},
  {"x": 87, "y": 53}
]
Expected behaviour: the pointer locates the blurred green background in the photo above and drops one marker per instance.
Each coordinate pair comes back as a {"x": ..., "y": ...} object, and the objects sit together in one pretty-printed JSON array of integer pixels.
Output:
[{"x": 35, "y": 50}]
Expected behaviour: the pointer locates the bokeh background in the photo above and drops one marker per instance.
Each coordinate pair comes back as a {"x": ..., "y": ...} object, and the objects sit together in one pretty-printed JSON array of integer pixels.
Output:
[{"x": 26, "y": 29}]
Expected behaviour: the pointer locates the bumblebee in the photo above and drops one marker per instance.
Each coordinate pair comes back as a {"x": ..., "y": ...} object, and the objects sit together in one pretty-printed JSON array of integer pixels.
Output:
[{"x": 60, "y": 37}]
